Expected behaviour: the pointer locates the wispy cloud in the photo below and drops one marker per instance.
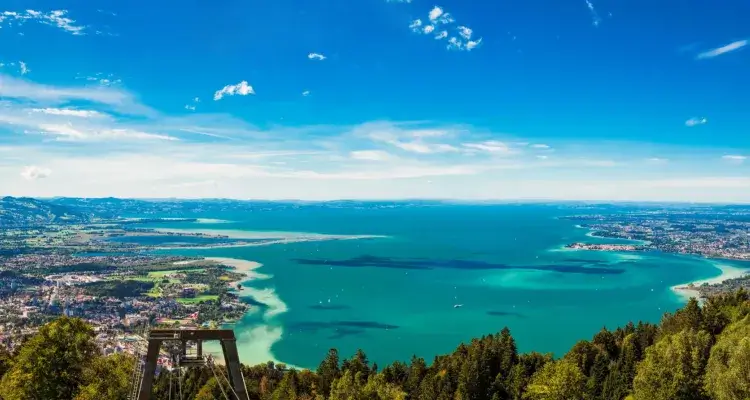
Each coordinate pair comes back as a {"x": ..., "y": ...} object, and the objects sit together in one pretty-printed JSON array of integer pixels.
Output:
[
  {"x": 370, "y": 155},
  {"x": 24, "y": 68},
  {"x": 316, "y": 56},
  {"x": 722, "y": 50},
  {"x": 695, "y": 121},
  {"x": 240, "y": 89},
  {"x": 491, "y": 146},
  {"x": 192, "y": 106},
  {"x": 32, "y": 172},
  {"x": 596, "y": 20},
  {"x": 306, "y": 93},
  {"x": 398, "y": 1},
  {"x": 657, "y": 160},
  {"x": 540, "y": 146},
  {"x": 438, "y": 24},
  {"x": 20, "y": 89},
  {"x": 69, "y": 112},
  {"x": 734, "y": 158},
  {"x": 56, "y": 18},
  {"x": 69, "y": 132}
]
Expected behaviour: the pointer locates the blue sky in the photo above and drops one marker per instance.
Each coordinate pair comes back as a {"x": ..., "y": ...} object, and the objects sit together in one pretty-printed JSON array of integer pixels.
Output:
[{"x": 323, "y": 99}]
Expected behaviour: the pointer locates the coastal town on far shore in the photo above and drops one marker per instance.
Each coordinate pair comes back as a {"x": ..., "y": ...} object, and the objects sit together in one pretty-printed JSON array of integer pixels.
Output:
[
  {"x": 76, "y": 257},
  {"x": 721, "y": 232}
]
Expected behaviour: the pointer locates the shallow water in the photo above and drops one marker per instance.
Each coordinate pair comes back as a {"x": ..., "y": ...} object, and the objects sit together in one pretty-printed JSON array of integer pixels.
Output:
[{"x": 397, "y": 296}]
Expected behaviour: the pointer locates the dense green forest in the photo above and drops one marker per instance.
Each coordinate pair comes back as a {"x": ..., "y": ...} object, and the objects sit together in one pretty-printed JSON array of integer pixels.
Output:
[{"x": 696, "y": 353}]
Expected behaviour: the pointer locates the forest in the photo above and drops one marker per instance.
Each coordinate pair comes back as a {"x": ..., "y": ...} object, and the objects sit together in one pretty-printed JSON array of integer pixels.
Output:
[{"x": 699, "y": 352}]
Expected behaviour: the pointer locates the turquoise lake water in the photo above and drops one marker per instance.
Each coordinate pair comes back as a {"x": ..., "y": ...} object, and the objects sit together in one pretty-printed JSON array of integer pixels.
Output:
[{"x": 396, "y": 296}]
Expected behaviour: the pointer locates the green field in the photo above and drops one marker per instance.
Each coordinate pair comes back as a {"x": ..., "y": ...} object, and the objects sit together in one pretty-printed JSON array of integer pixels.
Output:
[
  {"x": 197, "y": 299},
  {"x": 162, "y": 274}
]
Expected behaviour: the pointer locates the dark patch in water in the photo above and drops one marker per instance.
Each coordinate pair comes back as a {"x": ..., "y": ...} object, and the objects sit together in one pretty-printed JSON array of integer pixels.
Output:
[
  {"x": 427, "y": 264},
  {"x": 341, "y": 328},
  {"x": 584, "y": 261},
  {"x": 505, "y": 314},
  {"x": 328, "y": 307},
  {"x": 344, "y": 332},
  {"x": 253, "y": 302}
]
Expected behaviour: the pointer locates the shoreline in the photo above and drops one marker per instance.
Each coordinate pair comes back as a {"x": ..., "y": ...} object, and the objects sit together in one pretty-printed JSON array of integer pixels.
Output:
[
  {"x": 685, "y": 291},
  {"x": 272, "y": 238},
  {"x": 255, "y": 341}
]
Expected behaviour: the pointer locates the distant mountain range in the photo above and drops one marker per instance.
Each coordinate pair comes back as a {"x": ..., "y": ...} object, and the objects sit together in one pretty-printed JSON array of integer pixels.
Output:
[{"x": 24, "y": 211}]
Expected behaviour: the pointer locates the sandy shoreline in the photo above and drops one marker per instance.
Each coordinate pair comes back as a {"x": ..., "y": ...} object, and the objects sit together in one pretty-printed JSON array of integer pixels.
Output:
[
  {"x": 255, "y": 342},
  {"x": 685, "y": 292},
  {"x": 271, "y": 238}
]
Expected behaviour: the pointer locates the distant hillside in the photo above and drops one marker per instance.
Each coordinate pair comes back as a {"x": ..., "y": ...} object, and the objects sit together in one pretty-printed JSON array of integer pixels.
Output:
[{"x": 23, "y": 211}]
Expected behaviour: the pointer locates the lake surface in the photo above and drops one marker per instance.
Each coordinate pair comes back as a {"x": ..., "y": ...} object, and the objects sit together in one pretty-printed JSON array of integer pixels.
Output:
[{"x": 440, "y": 276}]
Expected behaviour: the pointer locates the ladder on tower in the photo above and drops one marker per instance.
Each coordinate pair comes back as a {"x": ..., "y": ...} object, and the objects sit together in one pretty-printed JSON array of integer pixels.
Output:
[{"x": 137, "y": 375}]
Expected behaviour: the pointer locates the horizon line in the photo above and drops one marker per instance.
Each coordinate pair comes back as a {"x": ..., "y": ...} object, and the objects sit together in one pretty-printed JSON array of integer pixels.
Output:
[{"x": 406, "y": 199}]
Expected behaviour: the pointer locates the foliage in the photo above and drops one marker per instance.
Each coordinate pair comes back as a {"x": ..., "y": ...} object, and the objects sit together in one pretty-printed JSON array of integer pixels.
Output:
[
  {"x": 558, "y": 380},
  {"x": 673, "y": 368},
  {"x": 118, "y": 289},
  {"x": 107, "y": 378},
  {"x": 51, "y": 364},
  {"x": 728, "y": 370},
  {"x": 676, "y": 360}
]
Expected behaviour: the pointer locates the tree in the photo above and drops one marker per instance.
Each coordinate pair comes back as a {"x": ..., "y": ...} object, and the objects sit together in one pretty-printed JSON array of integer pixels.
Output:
[
  {"x": 521, "y": 373},
  {"x": 583, "y": 355},
  {"x": 210, "y": 391},
  {"x": 358, "y": 365},
  {"x": 51, "y": 364},
  {"x": 328, "y": 371},
  {"x": 559, "y": 380},
  {"x": 107, "y": 378},
  {"x": 673, "y": 368},
  {"x": 346, "y": 387},
  {"x": 728, "y": 370},
  {"x": 377, "y": 388}
]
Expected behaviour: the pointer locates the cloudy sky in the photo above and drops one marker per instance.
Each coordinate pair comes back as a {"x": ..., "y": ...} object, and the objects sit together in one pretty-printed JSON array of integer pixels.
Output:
[{"x": 373, "y": 99}]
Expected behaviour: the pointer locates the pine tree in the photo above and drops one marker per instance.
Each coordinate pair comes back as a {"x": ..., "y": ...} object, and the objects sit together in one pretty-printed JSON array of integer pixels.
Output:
[{"x": 328, "y": 371}]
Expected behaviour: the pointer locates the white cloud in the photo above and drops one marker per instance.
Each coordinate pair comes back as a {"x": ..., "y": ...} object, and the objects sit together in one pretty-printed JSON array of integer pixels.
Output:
[
  {"x": 197, "y": 100},
  {"x": 19, "y": 89},
  {"x": 24, "y": 68},
  {"x": 455, "y": 43},
  {"x": 435, "y": 13},
  {"x": 696, "y": 121},
  {"x": 69, "y": 132},
  {"x": 657, "y": 160},
  {"x": 540, "y": 146},
  {"x": 542, "y": 157},
  {"x": 491, "y": 146},
  {"x": 189, "y": 107},
  {"x": 415, "y": 25},
  {"x": 736, "y": 45},
  {"x": 734, "y": 158},
  {"x": 56, "y": 18},
  {"x": 370, "y": 155},
  {"x": 594, "y": 15},
  {"x": 437, "y": 17},
  {"x": 398, "y": 1},
  {"x": 32, "y": 172},
  {"x": 306, "y": 93},
  {"x": 465, "y": 32},
  {"x": 240, "y": 89},
  {"x": 69, "y": 112},
  {"x": 316, "y": 56}
]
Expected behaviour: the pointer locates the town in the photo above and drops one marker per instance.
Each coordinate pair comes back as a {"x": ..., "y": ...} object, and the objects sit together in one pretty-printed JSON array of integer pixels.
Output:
[{"x": 721, "y": 232}]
